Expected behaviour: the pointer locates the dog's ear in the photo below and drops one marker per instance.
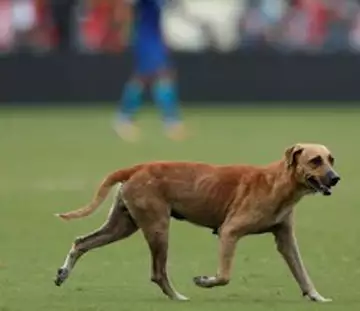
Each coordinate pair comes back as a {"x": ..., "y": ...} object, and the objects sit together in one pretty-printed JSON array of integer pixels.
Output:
[{"x": 292, "y": 153}]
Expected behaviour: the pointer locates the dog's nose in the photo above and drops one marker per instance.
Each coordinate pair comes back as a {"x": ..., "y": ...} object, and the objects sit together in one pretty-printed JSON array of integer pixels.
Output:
[{"x": 334, "y": 180}]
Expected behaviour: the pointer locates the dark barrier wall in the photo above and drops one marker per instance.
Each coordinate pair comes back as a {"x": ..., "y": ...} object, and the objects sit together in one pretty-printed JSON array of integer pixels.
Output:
[{"x": 237, "y": 77}]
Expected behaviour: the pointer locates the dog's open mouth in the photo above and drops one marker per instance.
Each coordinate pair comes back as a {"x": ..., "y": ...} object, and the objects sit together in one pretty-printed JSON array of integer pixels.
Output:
[{"x": 317, "y": 186}]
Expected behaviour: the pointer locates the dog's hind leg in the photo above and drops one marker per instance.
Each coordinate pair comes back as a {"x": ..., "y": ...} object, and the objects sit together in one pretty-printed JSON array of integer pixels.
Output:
[
  {"x": 154, "y": 219},
  {"x": 119, "y": 225}
]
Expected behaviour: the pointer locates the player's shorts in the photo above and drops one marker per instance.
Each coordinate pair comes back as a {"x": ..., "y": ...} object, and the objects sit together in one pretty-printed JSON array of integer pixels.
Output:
[{"x": 150, "y": 56}]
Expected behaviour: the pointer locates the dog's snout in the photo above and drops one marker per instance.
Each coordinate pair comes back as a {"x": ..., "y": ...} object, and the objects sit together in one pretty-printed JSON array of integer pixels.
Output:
[{"x": 333, "y": 178}]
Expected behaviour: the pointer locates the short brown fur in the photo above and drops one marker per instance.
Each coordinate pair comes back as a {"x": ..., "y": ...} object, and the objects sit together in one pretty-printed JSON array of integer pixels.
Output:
[{"x": 233, "y": 200}]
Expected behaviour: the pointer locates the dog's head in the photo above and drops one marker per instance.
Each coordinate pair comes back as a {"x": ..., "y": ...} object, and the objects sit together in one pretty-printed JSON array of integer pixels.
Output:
[{"x": 313, "y": 166}]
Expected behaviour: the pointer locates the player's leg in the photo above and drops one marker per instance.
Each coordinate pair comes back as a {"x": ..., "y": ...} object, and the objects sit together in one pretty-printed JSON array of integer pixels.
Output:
[
  {"x": 165, "y": 94},
  {"x": 164, "y": 88},
  {"x": 130, "y": 102},
  {"x": 153, "y": 61},
  {"x": 132, "y": 97}
]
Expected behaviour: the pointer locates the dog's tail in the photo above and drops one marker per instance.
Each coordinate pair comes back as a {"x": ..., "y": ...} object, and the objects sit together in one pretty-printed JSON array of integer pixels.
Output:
[{"x": 101, "y": 193}]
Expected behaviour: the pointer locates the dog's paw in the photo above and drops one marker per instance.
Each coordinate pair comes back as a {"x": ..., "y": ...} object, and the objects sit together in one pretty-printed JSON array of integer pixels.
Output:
[
  {"x": 316, "y": 297},
  {"x": 180, "y": 297},
  {"x": 62, "y": 275},
  {"x": 204, "y": 281}
]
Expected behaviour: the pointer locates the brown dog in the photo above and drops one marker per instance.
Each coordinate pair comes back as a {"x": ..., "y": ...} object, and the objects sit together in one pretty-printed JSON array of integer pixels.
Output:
[{"x": 234, "y": 201}]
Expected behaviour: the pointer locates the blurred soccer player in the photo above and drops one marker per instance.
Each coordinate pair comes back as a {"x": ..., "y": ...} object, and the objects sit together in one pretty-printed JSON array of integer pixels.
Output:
[{"x": 151, "y": 67}]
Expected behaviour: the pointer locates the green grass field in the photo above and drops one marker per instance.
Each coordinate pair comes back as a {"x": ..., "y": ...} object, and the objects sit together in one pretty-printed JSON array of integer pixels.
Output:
[{"x": 52, "y": 160}]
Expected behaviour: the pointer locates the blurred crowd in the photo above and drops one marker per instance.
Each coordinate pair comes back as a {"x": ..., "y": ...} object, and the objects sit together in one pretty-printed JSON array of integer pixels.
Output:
[{"x": 93, "y": 26}]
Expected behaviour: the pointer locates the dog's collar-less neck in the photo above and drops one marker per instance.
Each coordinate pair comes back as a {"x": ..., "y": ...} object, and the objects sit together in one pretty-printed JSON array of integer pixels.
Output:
[{"x": 294, "y": 190}]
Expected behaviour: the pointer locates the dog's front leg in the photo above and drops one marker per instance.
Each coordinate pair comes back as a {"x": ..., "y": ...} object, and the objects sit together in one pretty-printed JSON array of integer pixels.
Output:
[
  {"x": 288, "y": 248},
  {"x": 228, "y": 239}
]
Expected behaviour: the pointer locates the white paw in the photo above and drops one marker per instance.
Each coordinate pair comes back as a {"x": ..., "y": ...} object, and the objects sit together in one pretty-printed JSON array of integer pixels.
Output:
[
  {"x": 315, "y": 296},
  {"x": 204, "y": 281},
  {"x": 180, "y": 297}
]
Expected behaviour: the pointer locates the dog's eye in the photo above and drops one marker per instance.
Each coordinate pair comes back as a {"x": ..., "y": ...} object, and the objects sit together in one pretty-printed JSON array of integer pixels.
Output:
[
  {"x": 331, "y": 160},
  {"x": 317, "y": 161}
]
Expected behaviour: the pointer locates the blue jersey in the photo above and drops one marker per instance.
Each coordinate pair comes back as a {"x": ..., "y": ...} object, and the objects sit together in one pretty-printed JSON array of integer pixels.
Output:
[
  {"x": 147, "y": 18},
  {"x": 148, "y": 44}
]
